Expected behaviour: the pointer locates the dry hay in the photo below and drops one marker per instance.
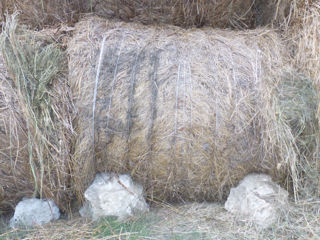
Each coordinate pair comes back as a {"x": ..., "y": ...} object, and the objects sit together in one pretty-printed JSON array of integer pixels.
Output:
[
  {"x": 36, "y": 114},
  {"x": 14, "y": 178},
  {"x": 238, "y": 14},
  {"x": 75, "y": 229},
  {"x": 221, "y": 14},
  {"x": 41, "y": 13},
  {"x": 303, "y": 39},
  {"x": 192, "y": 221},
  {"x": 187, "y": 113},
  {"x": 305, "y": 36}
]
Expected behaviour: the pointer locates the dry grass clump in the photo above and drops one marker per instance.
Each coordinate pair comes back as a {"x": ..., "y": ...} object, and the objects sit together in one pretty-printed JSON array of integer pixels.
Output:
[
  {"x": 303, "y": 38},
  {"x": 188, "y": 113},
  {"x": 43, "y": 116},
  {"x": 14, "y": 175},
  {"x": 42, "y": 13}
]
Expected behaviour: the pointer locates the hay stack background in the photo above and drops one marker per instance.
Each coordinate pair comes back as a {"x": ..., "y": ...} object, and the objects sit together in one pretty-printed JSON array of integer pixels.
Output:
[
  {"x": 36, "y": 118},
  {"x": 43, "y": 13},
  {"x": 220, "y": 14},
  {"x": 238, "y": 14},
  {"x": 186, "y": 113},
  {"x": 305, "y": 38},
  {"x": 304, "y": 41}
]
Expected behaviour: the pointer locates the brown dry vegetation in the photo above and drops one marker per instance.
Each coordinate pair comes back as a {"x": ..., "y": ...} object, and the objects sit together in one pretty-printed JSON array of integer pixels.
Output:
[
  {"x": 163, "y": 116},
  {"x": 43, "y": 13},
  {"x": 305, "y": 37},
  {"x": 238, "y": 14},
  {"x": 188, "y": 113},
  {"x": 38, "y": 132},
  {"x": 303, "y": 40},
  {"x": 15, "y": 179}
]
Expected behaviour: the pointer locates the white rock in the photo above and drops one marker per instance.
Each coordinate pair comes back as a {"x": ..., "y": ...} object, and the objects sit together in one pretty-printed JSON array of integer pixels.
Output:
[
  {"x": 113, "y": 195},
  {"x": 34, "y": 211},
  {"x": 258, "y": 199}
]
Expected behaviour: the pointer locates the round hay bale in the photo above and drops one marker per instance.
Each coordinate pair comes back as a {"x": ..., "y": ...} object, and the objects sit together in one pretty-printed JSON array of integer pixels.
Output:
[{"x": 187, "y": 113}]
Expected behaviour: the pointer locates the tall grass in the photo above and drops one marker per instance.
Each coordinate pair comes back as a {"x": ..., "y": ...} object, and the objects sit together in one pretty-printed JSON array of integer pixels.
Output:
[{"x": 37, "y": 64}]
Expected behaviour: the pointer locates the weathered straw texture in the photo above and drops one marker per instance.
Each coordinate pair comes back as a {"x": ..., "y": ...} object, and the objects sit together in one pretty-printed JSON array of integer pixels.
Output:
[
  {"x": 15, "y": 177},
  {"x": 305, "y": 34},
  {"x": 238, "y": 14},
  {"x": 219, "y": 14},
  {"x": 304, "y": 40},
  {"x": 188, "y": 113},
  {"x": 41, "y": 13},
  {"x": 36, "y": 100}
]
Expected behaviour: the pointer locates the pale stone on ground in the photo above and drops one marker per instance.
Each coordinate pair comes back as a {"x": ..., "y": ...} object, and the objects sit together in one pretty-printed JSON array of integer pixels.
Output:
[
  {"x": 258, "y": 199},
  {"x": 33, "y": 212},
  {"x": 113, "y": 195}
]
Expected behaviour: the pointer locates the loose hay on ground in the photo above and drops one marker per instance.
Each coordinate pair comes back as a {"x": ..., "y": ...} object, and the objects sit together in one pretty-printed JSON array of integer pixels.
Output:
[
  {"x": 192, "y": 221},
  {"x": 188, "y": 113}
]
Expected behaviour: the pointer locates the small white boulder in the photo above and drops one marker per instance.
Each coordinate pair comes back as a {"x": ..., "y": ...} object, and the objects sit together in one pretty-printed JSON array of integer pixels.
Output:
[
  {"x": 33, "y": 212},
  {"x": 113, "y": 195},
  {"x": 258, "y": 199}
]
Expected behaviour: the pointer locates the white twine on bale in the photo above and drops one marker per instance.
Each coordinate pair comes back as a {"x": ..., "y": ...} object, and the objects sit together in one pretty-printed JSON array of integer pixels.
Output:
[
  {"x": 96, "y": 89},
  {"x": 185, "y": 95},
  {"x": 177, "y": 98},
  {"x": 191, "y": 89}
]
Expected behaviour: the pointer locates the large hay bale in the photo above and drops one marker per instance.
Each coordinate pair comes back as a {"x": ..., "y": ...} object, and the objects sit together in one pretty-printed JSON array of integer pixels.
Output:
[
  {"x": 188, "y": 113},
  {"x": 38, "y": 132}
]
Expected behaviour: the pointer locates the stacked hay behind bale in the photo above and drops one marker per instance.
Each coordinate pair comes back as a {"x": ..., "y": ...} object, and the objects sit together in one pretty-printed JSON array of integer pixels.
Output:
[
  {"x": 305, "y": 33},
  {"x": 186, "y": 113},
  {"x": 42, "y": 13},
  {"x": 238, "y": 14},
  {"x": 235, "y": 13},
  {"x": 36, "y": 118},
  {"x": 304, "y": 41},
  {"x": 220, "y": 14}
]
